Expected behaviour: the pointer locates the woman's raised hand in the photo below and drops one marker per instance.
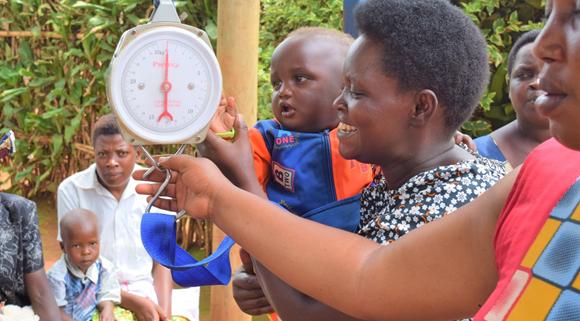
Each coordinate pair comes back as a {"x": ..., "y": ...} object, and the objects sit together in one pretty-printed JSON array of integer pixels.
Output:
[
  {"x": 195, "y": 182},
  {"x": 234, "y": 157}
]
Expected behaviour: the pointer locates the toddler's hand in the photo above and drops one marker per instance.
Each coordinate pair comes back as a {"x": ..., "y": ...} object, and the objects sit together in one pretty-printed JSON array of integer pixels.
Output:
[
  {"x": 247, "y": 292},
  {"x": 460, "y": 137},
  {"x": 106, "y": 311},
  {"x": 225, "y": 116},
  {"x": 148, "y": 310},
  {"x": 235, "y": 158}
]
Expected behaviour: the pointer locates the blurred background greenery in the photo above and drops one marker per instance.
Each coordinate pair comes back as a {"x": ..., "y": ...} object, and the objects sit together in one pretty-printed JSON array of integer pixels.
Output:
[{"x": 55, "y": 54}]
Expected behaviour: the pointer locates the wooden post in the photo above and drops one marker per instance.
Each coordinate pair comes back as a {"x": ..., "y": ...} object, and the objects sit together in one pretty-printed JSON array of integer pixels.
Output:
[{"x": 237, "y": 51}]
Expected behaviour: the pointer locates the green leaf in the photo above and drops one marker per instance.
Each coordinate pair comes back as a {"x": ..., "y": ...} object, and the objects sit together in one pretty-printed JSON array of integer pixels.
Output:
[
  {"x": 72, "y": 129},
  {"x": 476, "y": 128},
  {"x": 10, "y": 94},
  {"x": 211, "y": 30},
  {"x": 90, "y": 6},
  {"x": 57, "y": 141},
  {"x": 25, "y": 73},
  {"x": 25, "y": 53},
  {"x": 20, "y": 176},
  {"x": 40, "y": 82},
  {"x": 52, "y": 113},
  {"x": 9, "y": 74},
  {"x": 498, "y": 82}
]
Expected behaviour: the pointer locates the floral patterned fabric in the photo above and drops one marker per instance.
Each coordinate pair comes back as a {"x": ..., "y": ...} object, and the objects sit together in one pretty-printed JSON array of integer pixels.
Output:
[
  {"x": 388, "y": 214},
  {"x": 20, "y": 247}
]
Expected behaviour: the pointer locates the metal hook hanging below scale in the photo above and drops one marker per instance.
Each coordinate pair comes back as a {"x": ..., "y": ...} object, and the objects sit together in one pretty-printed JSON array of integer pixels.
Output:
[{"x": 166, "y": 181}]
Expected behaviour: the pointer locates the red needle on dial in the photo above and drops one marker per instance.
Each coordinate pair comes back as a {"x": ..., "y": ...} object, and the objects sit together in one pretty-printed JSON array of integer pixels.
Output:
[{"x": 166, "y": 87}]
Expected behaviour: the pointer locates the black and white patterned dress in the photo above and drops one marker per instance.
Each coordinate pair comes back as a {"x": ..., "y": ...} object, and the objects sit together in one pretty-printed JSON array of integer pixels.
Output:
[
  {"x": 20, "y": 247},
  {"x": 388, "y": 214}
]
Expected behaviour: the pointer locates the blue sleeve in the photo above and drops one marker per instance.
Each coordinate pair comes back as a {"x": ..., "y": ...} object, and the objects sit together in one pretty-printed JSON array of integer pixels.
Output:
[{"x": 487, "y": 148}]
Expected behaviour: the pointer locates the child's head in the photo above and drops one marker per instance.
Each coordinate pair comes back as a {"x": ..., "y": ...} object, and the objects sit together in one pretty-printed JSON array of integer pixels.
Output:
[
  {"x": 412, "y": 78},
  {"x": 430, "y": 45},
  {"x": 306, "y": 78},
  {"x": 80, "y": 238}
]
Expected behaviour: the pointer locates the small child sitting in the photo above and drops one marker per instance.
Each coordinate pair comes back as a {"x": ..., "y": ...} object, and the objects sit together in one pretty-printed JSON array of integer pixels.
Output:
[{"x": 82, "y": 280}]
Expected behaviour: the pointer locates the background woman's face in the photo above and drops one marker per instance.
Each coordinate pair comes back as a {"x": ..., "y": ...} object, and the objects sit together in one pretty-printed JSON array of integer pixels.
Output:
[
  {"x": 559, "y": 47},
  {"x": 524, "y": 87}
]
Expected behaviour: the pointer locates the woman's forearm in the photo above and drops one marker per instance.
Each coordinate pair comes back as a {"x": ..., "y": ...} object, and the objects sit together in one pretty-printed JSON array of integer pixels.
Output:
[
  {"x": 41, "y": 296},
  {"x": 163, "y": 284},
  {"x": 352, "y": 274},
  {"x": 284, "y": 242},
  {"x": 292, "y": 305}
]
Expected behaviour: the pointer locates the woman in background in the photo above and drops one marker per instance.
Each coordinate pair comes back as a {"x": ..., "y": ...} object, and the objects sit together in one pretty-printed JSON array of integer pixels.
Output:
[{"x": 514, "y": 141}]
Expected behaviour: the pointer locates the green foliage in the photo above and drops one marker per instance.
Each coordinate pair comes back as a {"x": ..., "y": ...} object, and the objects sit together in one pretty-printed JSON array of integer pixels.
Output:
[
  {"x": 52, "y": 78},
  {"x": 52, "y": 84},
  {"x": 278, "y": 19},
  {"x": 501, "y": 21}
]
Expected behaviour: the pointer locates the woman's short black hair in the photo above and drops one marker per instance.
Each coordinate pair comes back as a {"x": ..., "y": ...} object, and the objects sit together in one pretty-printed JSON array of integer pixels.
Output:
[
  {"x": 105, "y": 126},
  {"x": 524, "y": 39},
  {"x": 430, "y": 44}
]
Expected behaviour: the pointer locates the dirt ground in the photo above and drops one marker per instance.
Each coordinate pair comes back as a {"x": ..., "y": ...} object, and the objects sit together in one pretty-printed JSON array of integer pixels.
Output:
[{"x": 48, "y": 230}]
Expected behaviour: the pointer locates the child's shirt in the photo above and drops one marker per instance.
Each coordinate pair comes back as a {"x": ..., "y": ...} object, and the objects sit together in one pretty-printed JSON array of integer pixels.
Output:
[
  {"x": 79, "y": 293},
  {"x": 303, "y": 171}
]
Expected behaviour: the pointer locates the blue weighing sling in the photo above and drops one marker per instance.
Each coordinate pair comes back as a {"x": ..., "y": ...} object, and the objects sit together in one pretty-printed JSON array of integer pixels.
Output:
[{"x": 158, "y": 233}]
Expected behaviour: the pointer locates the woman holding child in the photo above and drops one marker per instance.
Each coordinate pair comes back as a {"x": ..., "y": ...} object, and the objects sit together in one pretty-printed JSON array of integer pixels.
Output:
[
  {"x": 450, "y": 268},
  {"x": 395, "y": 111}
]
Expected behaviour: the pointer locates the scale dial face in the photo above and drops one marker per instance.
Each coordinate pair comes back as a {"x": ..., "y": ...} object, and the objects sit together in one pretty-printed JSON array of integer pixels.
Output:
[{"x": 165, "y": 85}]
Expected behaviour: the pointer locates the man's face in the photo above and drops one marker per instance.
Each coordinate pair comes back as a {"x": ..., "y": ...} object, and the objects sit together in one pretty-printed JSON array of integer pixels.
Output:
[{"x": 115, "y": 160}]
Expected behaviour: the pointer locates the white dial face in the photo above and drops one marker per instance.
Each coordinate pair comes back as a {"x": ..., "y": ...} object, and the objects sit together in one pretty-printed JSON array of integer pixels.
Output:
[{"x": 165, "y": 85}]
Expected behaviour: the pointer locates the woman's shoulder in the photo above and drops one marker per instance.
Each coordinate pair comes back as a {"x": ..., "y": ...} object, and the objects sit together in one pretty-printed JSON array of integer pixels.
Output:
[
  {"x": 16, "y": 206},
  {"x": 12, "y": 200},
  {"x": 477, "y": 168},
  {"x": 549, "y": 159}
]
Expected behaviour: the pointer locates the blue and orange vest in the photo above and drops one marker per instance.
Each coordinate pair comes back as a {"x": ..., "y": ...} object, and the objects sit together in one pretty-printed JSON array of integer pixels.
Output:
[{"x": 303, "y": 171}]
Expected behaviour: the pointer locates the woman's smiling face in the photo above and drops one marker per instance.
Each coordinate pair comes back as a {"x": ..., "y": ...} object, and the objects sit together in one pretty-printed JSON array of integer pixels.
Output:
[
  {"x": 373, "y": 111},
  {"x": 559, "y": 47}
]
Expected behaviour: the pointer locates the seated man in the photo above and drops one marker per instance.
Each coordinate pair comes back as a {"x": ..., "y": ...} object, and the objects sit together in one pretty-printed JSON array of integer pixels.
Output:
[
  {"x": 108, "y": 189},
  {"x": 22, "y": 278}
]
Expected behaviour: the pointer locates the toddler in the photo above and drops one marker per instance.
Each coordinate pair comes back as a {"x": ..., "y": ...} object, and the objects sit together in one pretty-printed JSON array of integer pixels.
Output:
[
  {"x": 81, "y": 279},
  {"x": 296, "y": 155}
]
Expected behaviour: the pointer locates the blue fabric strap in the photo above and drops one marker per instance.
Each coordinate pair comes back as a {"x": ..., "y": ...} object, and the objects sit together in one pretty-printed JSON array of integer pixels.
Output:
[
  {"x": 343, "y": 214},
  {"x": 158, "y": 233}
]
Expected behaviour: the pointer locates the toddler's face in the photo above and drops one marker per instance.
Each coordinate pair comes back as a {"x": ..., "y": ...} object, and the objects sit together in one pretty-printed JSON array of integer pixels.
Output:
[
  {"x": 82, "y": 246},
  {"x": 305, "y": 76}
]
